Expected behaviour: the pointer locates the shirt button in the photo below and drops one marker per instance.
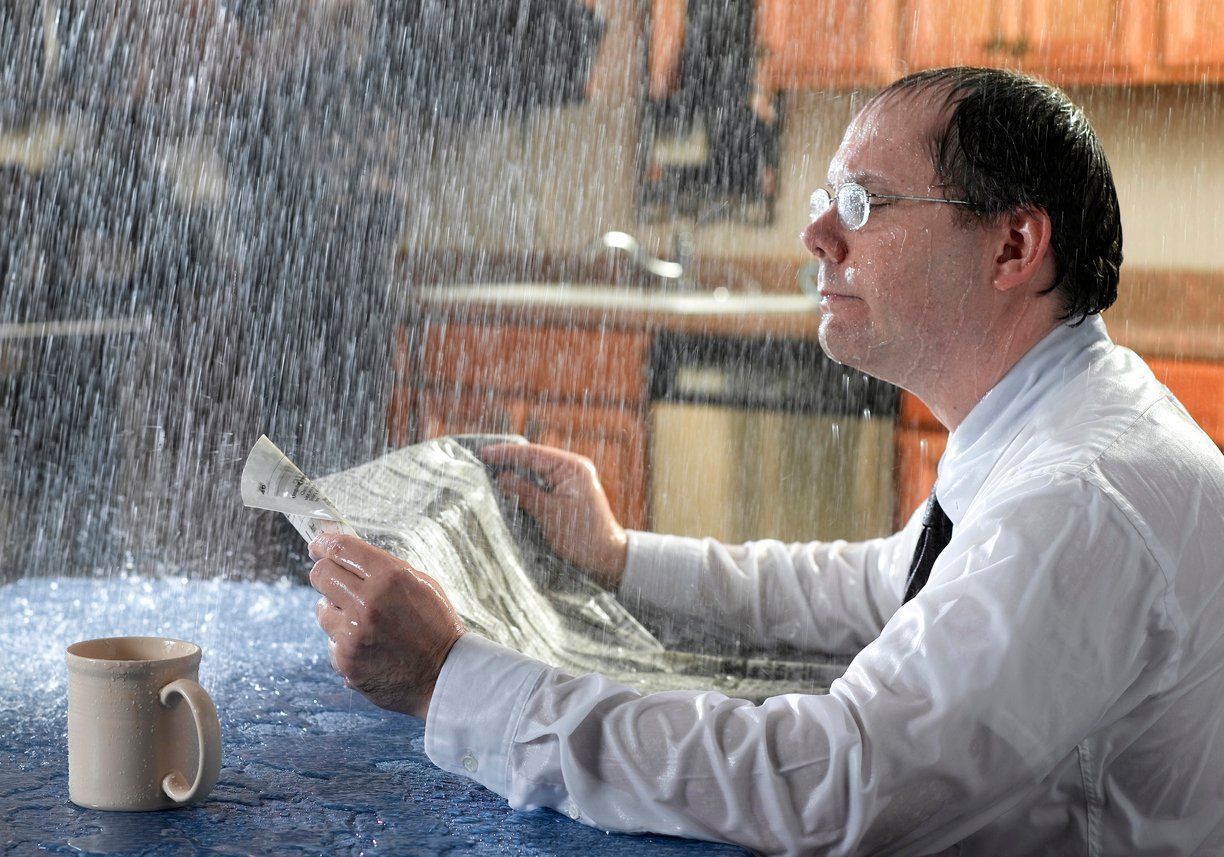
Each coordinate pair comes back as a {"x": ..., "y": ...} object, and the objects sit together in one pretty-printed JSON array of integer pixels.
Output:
[
  {"x": 470, "y": 764},
  {"x": 574, "y": 812}
]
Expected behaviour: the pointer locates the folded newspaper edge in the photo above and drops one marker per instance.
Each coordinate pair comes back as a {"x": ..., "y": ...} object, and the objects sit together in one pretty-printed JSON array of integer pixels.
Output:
[{"x": 271, "y": 481}]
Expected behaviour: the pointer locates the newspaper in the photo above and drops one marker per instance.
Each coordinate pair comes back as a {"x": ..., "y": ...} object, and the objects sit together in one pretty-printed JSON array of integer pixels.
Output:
[
  {"x": 271, "y": 481},
  {"x": 434, "y": 506}
]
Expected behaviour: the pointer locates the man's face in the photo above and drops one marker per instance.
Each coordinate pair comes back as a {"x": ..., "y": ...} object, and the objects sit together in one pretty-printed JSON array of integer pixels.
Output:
[{"x": 900, "y": 292}]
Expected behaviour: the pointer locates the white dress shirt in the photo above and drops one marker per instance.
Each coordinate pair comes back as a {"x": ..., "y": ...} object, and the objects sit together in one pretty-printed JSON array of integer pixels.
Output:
[{"x": 1056, "y": 688}]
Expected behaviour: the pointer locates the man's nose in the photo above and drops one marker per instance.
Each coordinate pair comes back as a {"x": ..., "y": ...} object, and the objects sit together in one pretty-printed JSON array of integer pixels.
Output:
[{"x": 824, "y": 237}]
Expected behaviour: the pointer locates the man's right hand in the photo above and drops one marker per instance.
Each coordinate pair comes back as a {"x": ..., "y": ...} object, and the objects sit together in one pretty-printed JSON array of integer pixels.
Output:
[{"x": 567, "y": 501}]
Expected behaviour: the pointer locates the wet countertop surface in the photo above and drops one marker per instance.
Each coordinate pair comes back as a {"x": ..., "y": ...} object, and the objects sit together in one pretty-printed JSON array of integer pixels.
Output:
[
  {"x": 308, "y": 767},
  {"x": 1173, "y": 314},
  {"x": 620, "y": 299},
  {"x": 586, "y": 304}
]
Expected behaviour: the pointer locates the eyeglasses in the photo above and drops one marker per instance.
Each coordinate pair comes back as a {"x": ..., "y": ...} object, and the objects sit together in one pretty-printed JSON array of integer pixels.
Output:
[{"x": 854, "y": 203}]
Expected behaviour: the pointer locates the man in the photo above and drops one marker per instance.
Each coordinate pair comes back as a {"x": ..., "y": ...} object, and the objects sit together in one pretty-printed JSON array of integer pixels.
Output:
[{"x": 1053, "y": 687}]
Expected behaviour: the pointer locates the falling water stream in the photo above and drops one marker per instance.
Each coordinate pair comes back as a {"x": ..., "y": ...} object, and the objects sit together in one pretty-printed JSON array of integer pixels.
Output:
[{"x": 202, "y": 207}]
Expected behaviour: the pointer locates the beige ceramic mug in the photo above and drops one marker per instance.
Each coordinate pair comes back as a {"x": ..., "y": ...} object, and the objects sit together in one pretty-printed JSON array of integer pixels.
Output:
[{"x": 142, "y": 733}]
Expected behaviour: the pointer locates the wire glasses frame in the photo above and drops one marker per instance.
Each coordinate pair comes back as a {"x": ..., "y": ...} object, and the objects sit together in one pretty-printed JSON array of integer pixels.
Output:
[{"x": 854, "y": 203}]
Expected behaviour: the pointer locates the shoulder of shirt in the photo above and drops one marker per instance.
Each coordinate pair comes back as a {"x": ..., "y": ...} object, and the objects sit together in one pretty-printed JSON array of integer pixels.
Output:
[{"x": 1105, "y": 424}]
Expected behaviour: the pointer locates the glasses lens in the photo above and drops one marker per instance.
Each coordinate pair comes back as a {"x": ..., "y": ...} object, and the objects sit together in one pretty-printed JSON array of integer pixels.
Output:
[
  {"x": 818, "y": 204},
  {"x": 852, "y": 205}
]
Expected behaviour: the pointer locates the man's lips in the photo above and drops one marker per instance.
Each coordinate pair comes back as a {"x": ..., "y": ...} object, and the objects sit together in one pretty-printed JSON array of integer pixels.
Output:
[
  {"x": 830, "y": 288},
  {"x": 833, "y": 288},
  {"x": 829, "y": 295}
]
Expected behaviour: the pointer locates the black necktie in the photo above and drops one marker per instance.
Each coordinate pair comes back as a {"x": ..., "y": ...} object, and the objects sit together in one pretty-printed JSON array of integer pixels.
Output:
[{"x": 936, "y": 533}]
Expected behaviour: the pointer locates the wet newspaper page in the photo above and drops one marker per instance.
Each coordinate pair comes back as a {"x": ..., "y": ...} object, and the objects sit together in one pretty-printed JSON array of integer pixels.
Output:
[{"x": 434, "y": 506}]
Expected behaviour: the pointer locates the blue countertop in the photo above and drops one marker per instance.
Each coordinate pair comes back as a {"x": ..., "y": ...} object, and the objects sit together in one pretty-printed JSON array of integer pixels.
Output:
[{"x": 308, "y": 766}]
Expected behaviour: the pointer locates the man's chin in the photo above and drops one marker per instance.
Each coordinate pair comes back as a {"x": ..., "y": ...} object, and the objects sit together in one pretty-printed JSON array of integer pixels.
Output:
[
  {"x": 835, "y": 346},
  {"x": 852, "y": 352}
]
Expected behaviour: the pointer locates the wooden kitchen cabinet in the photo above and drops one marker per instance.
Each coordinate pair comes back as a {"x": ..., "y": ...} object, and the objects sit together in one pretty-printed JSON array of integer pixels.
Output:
[
  {"x": 960, "y": 32},
  {"x": 1066, "y": 41},
  {"x": 437, "y": 412},
  {"x": 801, "y": 44},
  {"x": 666, "y": 43},
  {"x": 1089, "y": 41},
  {"x": 1191, "y": 41},
  {"x": 814, "y": 44},
  {"x": 822, "y": 44},
  {"x": 583, "y": 389},
  {"x": 1199, "y": 386}
]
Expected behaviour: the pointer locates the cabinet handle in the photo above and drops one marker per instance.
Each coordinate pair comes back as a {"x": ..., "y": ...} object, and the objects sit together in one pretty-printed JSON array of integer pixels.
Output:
[{"x": 999, "y": 45}]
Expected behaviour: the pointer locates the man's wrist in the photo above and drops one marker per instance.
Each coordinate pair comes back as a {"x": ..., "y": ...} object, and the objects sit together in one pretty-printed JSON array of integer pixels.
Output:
[
  {"x": 419, "y": 708},
  {"x": 611, "y": 568}
]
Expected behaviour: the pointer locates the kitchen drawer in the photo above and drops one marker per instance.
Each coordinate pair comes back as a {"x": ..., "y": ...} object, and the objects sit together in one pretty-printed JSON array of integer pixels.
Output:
[
  {"x": 583, "y": 364},
  {"x": 439, "y": 413}
]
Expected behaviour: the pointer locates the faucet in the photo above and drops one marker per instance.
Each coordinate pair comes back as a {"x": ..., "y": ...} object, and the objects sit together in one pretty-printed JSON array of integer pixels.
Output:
[
  {"x": 680, "y": 271},
  {"x": 623, "y": 241}
]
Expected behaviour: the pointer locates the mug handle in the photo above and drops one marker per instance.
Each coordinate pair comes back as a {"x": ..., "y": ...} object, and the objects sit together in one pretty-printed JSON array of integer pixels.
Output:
[{"x": 208, "y": 735}]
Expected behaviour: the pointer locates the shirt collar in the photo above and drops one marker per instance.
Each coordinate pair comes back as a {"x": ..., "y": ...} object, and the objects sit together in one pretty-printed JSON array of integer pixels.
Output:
[{"x": 1000, "y": 415}]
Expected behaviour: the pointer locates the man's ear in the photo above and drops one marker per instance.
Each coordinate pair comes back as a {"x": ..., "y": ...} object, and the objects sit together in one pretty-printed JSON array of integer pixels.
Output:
[{"x": 1023, "y": 253}]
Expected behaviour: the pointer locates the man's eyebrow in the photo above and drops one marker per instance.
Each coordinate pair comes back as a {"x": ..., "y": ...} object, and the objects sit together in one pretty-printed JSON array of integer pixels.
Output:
[{"x": 867, "y": 178}]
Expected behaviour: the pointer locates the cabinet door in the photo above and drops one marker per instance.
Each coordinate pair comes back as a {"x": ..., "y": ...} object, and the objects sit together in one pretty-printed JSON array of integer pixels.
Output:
[
  {"x": 917, "y": 454},
  {"x": 613, "y": 438},
  {"x": 434, "y": 413},
  {"x": 1192, "y": 40},
  {"x": 820, "y": 44},
  {"x": 937, "y": 33},
  {"x": 1064, "y": 41},
  {"x": 1087, "y": 41},
  {"x": 557, "y": 361}
]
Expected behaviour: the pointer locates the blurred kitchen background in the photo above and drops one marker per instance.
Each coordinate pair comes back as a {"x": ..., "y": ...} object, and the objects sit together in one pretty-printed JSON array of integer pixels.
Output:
[{"x": 356, "y": 224}]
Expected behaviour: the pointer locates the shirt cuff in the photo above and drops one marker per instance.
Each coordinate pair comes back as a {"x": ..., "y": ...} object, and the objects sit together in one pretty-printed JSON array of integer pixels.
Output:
[{"x": 476, "y": 708}]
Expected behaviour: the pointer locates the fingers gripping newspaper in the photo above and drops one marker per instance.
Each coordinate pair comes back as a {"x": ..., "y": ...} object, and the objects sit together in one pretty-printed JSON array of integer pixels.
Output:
[{"x": 434, "y": 506}]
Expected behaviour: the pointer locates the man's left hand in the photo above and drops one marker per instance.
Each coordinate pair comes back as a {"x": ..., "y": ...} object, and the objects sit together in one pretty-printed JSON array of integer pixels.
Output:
[{"x": 389, "y": 626}]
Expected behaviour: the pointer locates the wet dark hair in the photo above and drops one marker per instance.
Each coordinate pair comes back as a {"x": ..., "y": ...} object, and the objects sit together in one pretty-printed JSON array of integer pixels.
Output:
[{"x": 1013, "y": 142}]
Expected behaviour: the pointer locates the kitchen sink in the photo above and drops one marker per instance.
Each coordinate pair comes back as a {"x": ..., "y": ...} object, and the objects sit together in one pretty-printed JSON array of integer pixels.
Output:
[{"x": 597, "y": 296}]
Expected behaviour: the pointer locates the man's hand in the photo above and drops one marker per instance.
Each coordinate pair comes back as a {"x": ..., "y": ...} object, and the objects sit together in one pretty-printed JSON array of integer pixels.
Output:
[
  {"x": 389, "y": 626},
  {"x": 562, "y": 492}
]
